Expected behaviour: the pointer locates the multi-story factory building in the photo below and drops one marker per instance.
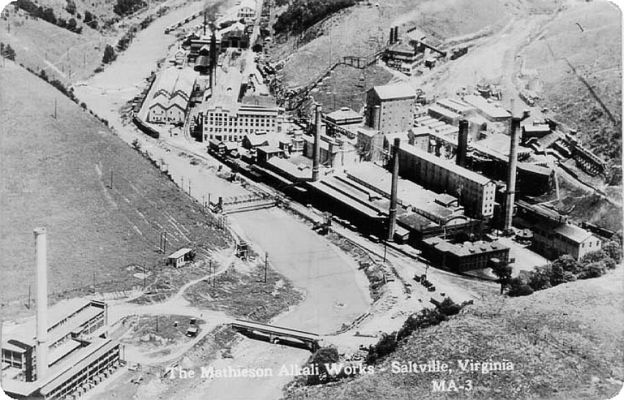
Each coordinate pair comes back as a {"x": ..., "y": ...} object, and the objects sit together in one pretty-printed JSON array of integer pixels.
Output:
[
  {"x": 390, "y": 108},
  {"x": 230, "y": 123},
  {"x": 475, "y": 192}
]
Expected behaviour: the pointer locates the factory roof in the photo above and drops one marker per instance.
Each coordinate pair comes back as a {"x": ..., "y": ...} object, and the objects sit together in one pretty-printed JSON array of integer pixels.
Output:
[
  {"x": 180, "y": 253},
  {"x": 297, "y": 171},
  {"x": 402, "y": 47},
  {"x": 573, "y": 232},
  {"x": 395, "y": 91},
  {"x": 466, "y": 248},
  {"x": 535, "y": 169},
  {"x": 445, "y": 112},
  {"x": 343, "y": 114},
  {"x": 72, "y": 310},
  {"x": 416, "y": 221},
  {"x": 490, "y": 110},
  {"x": 255, "y": 100},
  {"x": 446, "y": 164},
  {"x": 355, "y": 202},
  {"x": 456, "y": 105},
  {"x": 416, "y": 34},
  {"x": 420, "y": 130}
]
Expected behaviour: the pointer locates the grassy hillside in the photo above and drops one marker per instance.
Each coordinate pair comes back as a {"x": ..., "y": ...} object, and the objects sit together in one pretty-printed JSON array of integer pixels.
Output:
[
  {"x": 564, "y": 343},
  {"x": 56, "y": 173},
  {"x": 361, "y": 30},
  {"x": 62, "y": 54},
  {"x": 579, "y": 59}
]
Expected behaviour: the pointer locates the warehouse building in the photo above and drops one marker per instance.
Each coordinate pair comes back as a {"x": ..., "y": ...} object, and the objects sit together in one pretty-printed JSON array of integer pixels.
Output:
[
  {"x": 465, "y": 256},
  {"x": 171, "y": 93},
  {"x": 475, "y": 192}
]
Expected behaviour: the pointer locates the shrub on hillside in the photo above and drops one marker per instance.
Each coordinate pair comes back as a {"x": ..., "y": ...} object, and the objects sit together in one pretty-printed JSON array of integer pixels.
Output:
[
  {"x": 421, "y": 320},
  {"x": 540, "y": 278},
  {"x": 46, "y": 14},
  {"x": 7, "y": 51},
  {"x": 386, "y": 345},
  {"x": 517, "y": 287},
  {"x": 70, "y": 7},
  {"x": 125, "y": 7},
  {"x": 613, "y": 249},
  {"x": 593, "y": 270},
  {"x": 109, "y": 54},
  {"x": 324, "y": 355}
]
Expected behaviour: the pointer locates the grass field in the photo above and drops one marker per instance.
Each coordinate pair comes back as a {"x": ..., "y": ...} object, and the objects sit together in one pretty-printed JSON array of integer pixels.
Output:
[
  {"x": 62, "y": 54},
  {"x": 564, "y": 343},
  {"x": 56, "y": 173}
]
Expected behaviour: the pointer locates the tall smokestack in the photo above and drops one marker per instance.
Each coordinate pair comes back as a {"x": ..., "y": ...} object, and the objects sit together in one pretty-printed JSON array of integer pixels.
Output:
[
  {"x": 511, "y": 172},
  {"x": 391, "y": 39},
  {"x": 462, "y": 143},
  {"x": 396, "y": 34},
  {"x": 213, "y": 58},
  {"x": 316, "y": 154},
  {"x": 42, "y": 302},
  {"x": 393, "y": 191}
]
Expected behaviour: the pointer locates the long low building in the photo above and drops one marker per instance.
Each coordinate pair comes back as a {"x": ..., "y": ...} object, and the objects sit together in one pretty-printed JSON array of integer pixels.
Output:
[
  {"x": 475, "y": 192},
  {"x": 467, "y": 256}
]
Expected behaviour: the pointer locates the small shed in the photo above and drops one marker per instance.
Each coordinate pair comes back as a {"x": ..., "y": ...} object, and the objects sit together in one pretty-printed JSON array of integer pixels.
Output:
[{"x": 180, "y": 257}]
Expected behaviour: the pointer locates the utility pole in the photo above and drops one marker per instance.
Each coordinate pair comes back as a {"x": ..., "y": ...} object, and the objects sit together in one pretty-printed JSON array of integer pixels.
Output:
[
  {"x": 111, "y": 180},
  {"x": 55, "y": 108},
  {"x": 93, "y": 281},
  {"x": 189, "y": 187},
  {"x": 29, "y": 297},
  {"x": 266, "y": 266}
]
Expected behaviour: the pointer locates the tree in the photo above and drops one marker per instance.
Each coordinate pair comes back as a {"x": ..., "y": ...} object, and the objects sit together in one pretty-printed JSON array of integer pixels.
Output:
[
  {"x": 324, "y": 355},
  {"x": 593, "y": 270},
  {"x": 48, "y": 15},
  {"x": 43, "y": 75},
  {"x": 613, "y": 249},
  {"x": 71, "y": 7},
  {"x": 109, "y": 54},
  {"x": 9, "y": 52},
  {"x": 71, "y": 24},
  {"x": 386, "y": 345},
  {"x": 503, "y": 273},
  {"x": 517, "y": 287},
  {"x": 539, "y": 278}
]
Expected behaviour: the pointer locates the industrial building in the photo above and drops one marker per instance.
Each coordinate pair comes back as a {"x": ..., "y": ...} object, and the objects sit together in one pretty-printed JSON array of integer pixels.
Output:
[
  {"x": 231, "y": 122},
  {"x": 390, "y": 108},
  {"x": 553, "y": 236},
  {"x": 170, "y": 96},
  {"x": 64, "y": 352},
  {"x": 475, "y": 192},
  {"x": 467, "y": 256},
  {"x": 490, "y": 111},
  {"x": 337, "y": 122}
]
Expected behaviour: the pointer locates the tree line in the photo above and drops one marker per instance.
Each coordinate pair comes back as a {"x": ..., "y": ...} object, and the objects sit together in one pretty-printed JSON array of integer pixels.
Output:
[
  {"x": 564, "y": 269},
  {"x": 302, "y": 14},
  {"x": 47, "y": 14}
]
